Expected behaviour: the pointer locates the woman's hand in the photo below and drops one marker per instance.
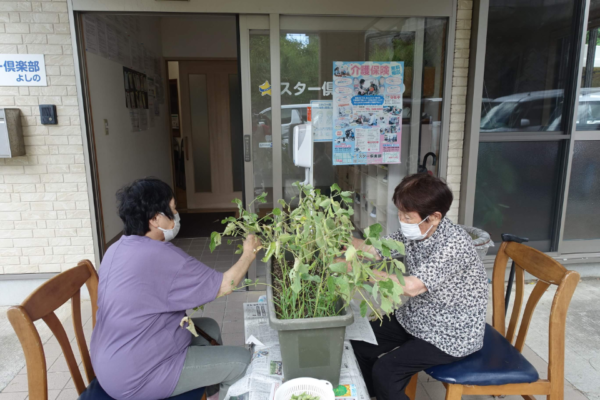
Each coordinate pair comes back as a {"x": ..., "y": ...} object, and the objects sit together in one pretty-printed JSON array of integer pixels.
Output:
[
  {"x": 234, "y": 275},
  {"x": 359, "y": 244},
  {"x": 251, "y": 246},
  {"x": 412, "y": 287}
]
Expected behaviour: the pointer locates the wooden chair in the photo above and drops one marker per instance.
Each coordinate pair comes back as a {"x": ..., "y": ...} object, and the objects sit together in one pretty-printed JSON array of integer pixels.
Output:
[
  {"x": 42, "y": 304},
  {"x": 499, "y": 368}
]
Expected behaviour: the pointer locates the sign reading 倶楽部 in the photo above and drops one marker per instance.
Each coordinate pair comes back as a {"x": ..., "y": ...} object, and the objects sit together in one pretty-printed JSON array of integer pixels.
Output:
[
  {"x": 22, "y": 70},
  {"x": 367, "y": 112}
]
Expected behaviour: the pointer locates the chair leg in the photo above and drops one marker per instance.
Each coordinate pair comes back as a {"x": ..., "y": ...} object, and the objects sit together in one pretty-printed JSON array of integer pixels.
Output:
[
  {"x": 411, "y": 389},
  {"x": 454, "y": 392}
]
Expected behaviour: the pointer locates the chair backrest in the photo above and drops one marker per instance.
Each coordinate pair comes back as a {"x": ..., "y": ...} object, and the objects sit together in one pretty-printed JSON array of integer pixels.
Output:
[
  {"x": 548, "y": 272},
  {"x": 42, "y": 304}
]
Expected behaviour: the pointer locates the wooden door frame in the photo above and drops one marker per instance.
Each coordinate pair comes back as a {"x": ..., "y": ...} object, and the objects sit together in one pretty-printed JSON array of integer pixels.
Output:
[{"x": 221, "y": 200}]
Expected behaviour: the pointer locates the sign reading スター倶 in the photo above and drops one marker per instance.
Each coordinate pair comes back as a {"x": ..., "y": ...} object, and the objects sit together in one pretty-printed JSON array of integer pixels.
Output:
[{"x": 22, "y": 70}]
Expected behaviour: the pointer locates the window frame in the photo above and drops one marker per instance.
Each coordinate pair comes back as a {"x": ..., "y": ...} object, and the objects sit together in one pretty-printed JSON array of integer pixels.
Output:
[{"x": 473, "y": 136}]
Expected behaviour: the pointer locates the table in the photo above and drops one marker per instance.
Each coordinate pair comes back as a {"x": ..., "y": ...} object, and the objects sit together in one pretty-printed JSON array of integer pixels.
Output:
[{"x": 265, "y": 373}]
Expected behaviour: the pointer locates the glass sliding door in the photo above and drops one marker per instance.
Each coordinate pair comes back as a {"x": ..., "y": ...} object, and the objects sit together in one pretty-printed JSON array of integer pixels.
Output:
[
  {"x": 582, "y": 222},
  {"x": 287, "y": 61},
  {"x": 523, "y": 134},
  {"x": 308, "y": 48}
]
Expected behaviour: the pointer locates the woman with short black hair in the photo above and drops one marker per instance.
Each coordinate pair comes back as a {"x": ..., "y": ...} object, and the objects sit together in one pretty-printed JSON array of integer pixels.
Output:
[
  {"x": 138, "y": 349},
  {"x": 444, "y": 318}
]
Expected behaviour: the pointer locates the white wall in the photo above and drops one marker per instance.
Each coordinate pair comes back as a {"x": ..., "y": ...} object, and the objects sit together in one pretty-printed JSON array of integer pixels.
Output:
[
  {"x": 199, "y": 36},
  {"x": 123, "y": 155}
]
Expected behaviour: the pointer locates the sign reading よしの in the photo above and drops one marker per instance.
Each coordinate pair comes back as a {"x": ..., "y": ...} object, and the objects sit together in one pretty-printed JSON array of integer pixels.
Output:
[
  {"x": 367, "y": 112},
  {"x": 22, "y": 70}
]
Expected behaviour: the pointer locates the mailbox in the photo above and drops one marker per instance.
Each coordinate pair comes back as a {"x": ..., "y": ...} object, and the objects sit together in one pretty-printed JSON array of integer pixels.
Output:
[{"x": 11, "y": 133}]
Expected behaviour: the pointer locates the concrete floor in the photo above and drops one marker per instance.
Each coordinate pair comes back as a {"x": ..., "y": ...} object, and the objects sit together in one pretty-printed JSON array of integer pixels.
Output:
[{"x": 582, "y": 358}]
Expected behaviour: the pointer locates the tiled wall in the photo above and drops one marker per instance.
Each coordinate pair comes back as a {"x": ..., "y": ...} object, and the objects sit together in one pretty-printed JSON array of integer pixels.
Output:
[
  {"x": 45, "y": 223},
  {"x": 458, "y": 101}
]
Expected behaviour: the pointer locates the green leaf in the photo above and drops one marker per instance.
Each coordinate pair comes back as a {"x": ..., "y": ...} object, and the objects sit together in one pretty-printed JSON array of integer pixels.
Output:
[
  {"x": 346, "y": 194},
  {"x": 394, "y": 245},
  {"x": 229, "y": 229},
  {"x": 247, "y": 281},
  {"x": 350, "y": 253},
  {"x": 285, "y": 237},
  {"x": 400, "y": 278},
  {"x": 386, "y": 305},
  {"x": 330, "y": 284},
  {"x": 363, "y": 308},
  {"x": 343, "y": 285},
  {"x": 375, "y": 291},
  {"x": 399, "y": 265},
  {"x": 330, "y": 224},
  {"x": 262, "y": 198},
  {"x": 368, "y": 255},
  {"x": 276, "y": 211},
  {"x": 296, "y": 285},
  {"x": 375, "y": 231},
  {"x": 282, "y": 202},
  {"x": 335, "y": 187},
  {"x": 325, "y": 203},
  {"x": 340, "y": 267},
  {"x": 270, "y": 251},
  {"x": 215, "y": 240},
  {"x": 386, "y": 284},
  {"x": 386, "y": 252}
]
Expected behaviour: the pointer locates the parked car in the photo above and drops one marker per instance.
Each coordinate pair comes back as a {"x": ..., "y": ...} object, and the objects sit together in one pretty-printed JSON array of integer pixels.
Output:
[
  {"x": 291, "y": 115},
  {"x": 539, "y": 111}
]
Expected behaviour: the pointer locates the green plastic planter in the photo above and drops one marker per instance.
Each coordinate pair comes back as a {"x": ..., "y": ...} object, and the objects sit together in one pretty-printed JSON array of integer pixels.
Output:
[{"x": 310, "y": 347}]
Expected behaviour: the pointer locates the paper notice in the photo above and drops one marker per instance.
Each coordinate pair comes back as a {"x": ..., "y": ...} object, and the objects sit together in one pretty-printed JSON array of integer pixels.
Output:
[
  {"x": 90, "y": 27},
  {"x": 322, "y": 120},
  {"x": 124, "y": 49},
  {"x": 112, "y": 40},
  {"x": 143, "y": 119},
  {"x": 135, "y": 55},
  {"x": 102, "y": 44},
  {"x": 148, "y": 61},
  {"x": 367, "y": 140},
  {"x": 134, "y": 118}
]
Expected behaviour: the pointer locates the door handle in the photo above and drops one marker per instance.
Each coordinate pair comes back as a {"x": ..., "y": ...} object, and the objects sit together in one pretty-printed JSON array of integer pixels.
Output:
[{"x": 186, "y": 146}]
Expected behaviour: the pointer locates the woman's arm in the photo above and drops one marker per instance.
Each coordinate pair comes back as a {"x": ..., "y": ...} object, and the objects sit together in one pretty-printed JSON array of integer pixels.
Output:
[
  {"x": 413, "y": 286},
  {"x": 234, "y": 275}
]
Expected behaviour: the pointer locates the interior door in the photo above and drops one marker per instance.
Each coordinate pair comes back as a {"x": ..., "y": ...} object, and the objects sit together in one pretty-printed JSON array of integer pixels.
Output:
[{"x": 208, "y": 94}]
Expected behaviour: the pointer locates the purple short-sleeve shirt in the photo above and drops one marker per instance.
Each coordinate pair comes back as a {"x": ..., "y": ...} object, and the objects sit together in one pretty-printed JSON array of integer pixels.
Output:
[{"x": 138, "y": 348}]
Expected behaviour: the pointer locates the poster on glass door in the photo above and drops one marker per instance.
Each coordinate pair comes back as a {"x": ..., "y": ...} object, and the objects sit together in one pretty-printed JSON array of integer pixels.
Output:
[{"x": 367, "y": 112}]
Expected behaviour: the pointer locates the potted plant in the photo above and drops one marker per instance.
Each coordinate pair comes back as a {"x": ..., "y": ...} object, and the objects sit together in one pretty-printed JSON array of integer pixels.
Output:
[{"x": 309, "y": 287}]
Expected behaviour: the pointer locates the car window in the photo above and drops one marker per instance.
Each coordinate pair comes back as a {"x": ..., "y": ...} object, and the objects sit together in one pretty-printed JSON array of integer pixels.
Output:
[
  {"x": 286, "y": 116},
  {"x": 589, "y": 113}
]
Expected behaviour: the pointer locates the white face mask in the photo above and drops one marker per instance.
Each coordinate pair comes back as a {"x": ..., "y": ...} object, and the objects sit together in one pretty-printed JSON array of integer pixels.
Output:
[
  {"x": 412, "y": 231},
  {"x": 171, "y": 233}
]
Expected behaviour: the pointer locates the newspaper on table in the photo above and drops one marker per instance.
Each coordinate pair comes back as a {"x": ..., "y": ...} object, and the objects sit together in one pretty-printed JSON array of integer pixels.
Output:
[
  {"x": 361, "y": 329},
  {"x": 265, "y": 372},
  {"x": 256, "y": 323}
]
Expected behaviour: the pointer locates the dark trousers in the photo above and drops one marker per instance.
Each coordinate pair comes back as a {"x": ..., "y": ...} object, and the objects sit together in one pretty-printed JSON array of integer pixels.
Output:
[{"x": 388, "y": 366}]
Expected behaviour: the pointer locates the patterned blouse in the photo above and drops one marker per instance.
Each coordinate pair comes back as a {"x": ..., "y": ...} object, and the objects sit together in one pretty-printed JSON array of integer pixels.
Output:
[{"x": 451, "y": 313}]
